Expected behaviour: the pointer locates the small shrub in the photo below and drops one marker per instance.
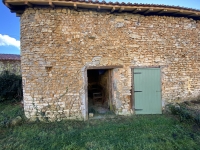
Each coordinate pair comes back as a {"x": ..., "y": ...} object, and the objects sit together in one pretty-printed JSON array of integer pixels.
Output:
[
  {"x": 185, "y": 114},
  {"x": 10, "y": 87},
  {"x": 173, "y": 109},
  {"x": 197, "y": 118}
]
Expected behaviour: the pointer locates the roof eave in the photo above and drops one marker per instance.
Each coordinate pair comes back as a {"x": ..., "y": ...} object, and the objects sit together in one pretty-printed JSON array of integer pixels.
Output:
[{"x": 18, "y": 7}]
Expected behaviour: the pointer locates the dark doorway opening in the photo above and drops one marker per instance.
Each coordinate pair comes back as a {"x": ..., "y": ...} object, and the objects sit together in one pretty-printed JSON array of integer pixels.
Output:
[{"x": 99, "y": 92}]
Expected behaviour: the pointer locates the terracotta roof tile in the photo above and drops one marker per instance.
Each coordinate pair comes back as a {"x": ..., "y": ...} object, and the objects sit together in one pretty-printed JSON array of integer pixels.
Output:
[{"x": 9, "y": 57}]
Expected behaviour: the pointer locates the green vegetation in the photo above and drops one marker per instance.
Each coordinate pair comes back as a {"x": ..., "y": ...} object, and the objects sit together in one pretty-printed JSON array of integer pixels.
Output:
[
  {"x": 8, "y": 111},
  {"x": 10, "y": 87},
  {"x": 135, "y": 132},
  {"x": 186, "y": 112}
]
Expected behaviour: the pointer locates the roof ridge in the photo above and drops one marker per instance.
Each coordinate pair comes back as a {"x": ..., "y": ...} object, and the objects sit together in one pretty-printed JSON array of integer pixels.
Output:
[{"x": 9, "y": 56}]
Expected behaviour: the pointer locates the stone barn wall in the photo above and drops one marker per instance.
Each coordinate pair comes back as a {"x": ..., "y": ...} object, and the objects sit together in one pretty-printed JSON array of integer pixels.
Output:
[
  {"x": 57, "y": 46},
  {"x": 13, "y": 66}
]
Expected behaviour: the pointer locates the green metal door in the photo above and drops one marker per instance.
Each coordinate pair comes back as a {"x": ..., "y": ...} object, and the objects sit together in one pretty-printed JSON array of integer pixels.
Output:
[{"x": 147, "y": 91}]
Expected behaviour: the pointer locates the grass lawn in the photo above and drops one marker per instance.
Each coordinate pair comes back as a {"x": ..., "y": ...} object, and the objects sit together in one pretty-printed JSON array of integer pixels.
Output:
[{"x": 139, "y": 132}]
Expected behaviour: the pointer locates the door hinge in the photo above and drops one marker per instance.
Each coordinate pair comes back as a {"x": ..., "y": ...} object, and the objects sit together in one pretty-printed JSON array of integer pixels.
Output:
[
  {"x": 138, "y": 109},
  {"x": 137, "y": 72}
]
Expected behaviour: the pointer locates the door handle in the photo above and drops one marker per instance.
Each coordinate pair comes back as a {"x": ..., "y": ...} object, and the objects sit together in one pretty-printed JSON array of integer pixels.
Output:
[{"x": 137, "y": 91}]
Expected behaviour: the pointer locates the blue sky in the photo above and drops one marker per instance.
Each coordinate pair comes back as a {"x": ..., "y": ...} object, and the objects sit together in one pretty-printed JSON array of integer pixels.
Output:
[{"x": 10, "y": 24}]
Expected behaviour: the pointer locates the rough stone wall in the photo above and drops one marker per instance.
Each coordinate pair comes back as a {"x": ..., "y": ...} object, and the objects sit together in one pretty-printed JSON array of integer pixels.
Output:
[
  {"x": 68, "y": 41},
  {"x": 12, "y": 66}
]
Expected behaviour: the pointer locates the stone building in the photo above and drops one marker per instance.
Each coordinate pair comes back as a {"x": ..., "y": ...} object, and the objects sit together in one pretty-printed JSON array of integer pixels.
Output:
[
  {"x": 11, "y": 63},
  {"x": 127, "y": 58}
]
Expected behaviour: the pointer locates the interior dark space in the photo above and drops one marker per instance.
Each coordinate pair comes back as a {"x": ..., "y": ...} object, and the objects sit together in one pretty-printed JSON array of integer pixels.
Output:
[{"x": 99, "y": 95}]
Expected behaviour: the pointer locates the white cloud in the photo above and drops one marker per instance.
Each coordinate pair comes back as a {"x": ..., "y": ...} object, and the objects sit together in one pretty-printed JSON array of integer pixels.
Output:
[{"x": 6, "y": 40}]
